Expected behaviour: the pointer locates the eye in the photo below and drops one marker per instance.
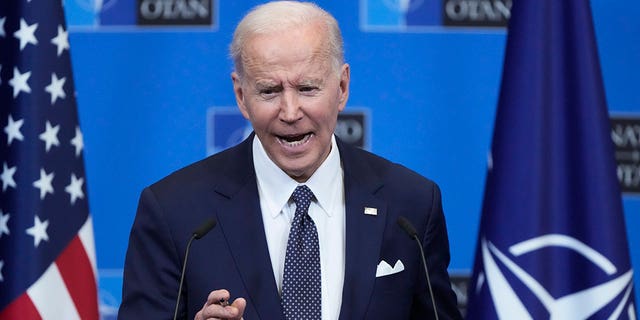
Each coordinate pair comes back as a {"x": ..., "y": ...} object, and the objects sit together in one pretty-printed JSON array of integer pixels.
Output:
[
  {"x": 269, "y": 92},
  {"x": 308, "y": 89}
]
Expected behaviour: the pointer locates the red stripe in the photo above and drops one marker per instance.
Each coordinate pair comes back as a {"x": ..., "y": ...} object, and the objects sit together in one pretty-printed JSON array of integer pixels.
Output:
[
  {"x": 77, "y": 273},
  {"x": 21, "y": 308}
]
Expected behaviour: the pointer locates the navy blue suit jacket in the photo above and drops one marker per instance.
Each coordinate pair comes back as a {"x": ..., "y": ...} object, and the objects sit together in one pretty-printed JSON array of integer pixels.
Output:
[{"x": 234, "y": 255}]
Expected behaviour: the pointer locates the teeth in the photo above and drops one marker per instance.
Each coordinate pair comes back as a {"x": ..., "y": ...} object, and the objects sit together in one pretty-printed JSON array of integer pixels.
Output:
[{"x": 304, "y": 139}]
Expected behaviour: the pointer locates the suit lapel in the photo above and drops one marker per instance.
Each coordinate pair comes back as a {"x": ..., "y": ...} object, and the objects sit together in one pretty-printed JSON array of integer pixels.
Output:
[
  {"x": 364, "y": 233},
  {"x": 240, "y": 220}
]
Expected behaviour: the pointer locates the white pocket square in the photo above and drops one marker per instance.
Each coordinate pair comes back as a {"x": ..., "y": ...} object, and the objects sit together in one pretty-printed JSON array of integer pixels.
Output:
[{"x": 384, "y": 269}]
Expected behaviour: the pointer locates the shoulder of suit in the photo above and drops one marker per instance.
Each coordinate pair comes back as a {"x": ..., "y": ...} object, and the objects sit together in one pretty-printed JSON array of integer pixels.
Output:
[
  {"x": 384, "y": 168},
  {"x": 209, "y": 169}
]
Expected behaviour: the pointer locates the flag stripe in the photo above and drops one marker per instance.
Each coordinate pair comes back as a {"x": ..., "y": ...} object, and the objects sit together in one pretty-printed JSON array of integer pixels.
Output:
[
  {"x": 75, "y": 268},
  {"x": 21, "y": 308},
  {"x": 86, "y": 236},
  {"x": 51, "y": 297}
]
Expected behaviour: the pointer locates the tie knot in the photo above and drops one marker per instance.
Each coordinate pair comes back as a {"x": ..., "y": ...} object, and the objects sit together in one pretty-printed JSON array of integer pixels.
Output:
[{"x": 302, "y": 197}]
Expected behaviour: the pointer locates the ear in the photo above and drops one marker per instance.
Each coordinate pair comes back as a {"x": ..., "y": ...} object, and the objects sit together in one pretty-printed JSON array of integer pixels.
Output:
[
  {"x": 345, "y": 77},
  {"x": 239, "y": 93}
]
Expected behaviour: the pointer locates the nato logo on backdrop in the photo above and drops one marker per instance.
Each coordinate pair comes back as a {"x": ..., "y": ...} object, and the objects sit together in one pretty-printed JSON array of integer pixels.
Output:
[
  {"x": 226, "y": 127},
  {"x": 416, "y": 15},
  {"x": 140, "y": 13}
]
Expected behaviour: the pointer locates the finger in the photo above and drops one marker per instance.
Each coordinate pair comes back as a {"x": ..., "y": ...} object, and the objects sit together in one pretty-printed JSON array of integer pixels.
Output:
[
  {"x": 233, "y": 311},
  {"x": 216, "y": 296},
  {"x": 216, "y": 311},
  {"x": 239, "y": 304}
]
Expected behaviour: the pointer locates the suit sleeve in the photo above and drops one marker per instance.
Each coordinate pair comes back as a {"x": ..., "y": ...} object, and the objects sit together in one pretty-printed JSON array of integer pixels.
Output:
[
  {"x": 152, "y": 265},
  {"x": 436, "y": 248}
]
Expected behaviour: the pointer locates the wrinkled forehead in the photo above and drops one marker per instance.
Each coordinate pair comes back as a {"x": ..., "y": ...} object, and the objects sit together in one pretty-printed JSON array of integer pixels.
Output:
[{"x": 305, "y": 47}]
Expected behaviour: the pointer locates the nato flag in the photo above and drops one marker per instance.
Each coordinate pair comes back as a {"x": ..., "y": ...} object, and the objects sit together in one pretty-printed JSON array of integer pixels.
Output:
[{"x": 552, "y": 242}]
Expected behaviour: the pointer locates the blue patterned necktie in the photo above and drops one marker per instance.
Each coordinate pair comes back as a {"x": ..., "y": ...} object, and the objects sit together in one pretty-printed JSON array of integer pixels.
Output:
[{"x": 301, "y": 288}]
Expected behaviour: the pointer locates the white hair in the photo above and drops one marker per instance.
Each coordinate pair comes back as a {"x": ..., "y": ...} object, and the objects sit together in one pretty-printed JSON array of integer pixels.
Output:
[{"x": 278, "y": 16}]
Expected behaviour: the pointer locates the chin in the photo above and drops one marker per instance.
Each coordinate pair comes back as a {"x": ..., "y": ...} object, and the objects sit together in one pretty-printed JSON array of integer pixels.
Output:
[{"x": 297, "y": 173}]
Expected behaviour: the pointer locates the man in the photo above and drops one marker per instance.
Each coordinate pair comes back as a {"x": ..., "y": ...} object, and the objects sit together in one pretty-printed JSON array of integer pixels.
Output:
[{"x": 306, "y": 225}]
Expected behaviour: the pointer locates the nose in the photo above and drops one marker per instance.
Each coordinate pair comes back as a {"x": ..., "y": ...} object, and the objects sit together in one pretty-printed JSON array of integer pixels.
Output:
[{"x": 290, "y": 108}]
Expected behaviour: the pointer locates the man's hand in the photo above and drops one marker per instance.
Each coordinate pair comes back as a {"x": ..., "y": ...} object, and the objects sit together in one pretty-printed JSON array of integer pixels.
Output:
[{"x": 217, "y": 307}]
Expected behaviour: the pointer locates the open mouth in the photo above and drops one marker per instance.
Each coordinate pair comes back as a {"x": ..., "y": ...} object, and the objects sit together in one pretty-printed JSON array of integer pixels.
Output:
[{"x": 294, "y": 140}]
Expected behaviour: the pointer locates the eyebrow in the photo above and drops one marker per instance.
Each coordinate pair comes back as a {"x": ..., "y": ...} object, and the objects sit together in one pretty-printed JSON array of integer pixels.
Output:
[
  {"x": 311, "y": 81},
  {"x": 267, "y": 84}
]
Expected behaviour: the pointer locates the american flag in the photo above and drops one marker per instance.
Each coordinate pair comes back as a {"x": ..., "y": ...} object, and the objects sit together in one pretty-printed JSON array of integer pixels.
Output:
[{"x": 47, "y": 255}]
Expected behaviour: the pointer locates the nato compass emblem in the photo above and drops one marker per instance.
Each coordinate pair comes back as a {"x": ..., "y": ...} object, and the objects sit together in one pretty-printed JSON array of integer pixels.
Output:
[
  {"x": 86, "y": 13},
  {"x": 399, "y": 15},
  {"x": 576, "y": 305}
]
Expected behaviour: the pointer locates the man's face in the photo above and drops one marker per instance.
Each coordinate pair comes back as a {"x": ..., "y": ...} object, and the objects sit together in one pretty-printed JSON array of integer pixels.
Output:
[{"x": 291, "y": 94}]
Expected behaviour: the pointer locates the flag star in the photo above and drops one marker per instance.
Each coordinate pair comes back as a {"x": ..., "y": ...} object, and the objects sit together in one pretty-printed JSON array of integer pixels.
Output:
[
  {"x": 7, "y": 177},
  {"x": 2, "y": 20},
  {"x": 1, "y": 265},
  {"x": 13, "y": 130},
  {"x": 4, "y": 219},
  {"x": 38, "y": 231},
  {"x": 55, "y": 88},
  {"x": 78, "y": 141},
  {"x": 74, "y": 189},
  {"x": 44, "y": 183},
  {"x": 19, "y": 82},
  {"x": 50, "y": 136},
  {"x": 61, "y": 40},
  {"x": 26, "y": 34}
]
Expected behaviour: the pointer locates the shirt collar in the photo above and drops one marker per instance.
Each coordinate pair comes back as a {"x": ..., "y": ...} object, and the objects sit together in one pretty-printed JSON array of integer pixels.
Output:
[{"x": 277, "y": 186}]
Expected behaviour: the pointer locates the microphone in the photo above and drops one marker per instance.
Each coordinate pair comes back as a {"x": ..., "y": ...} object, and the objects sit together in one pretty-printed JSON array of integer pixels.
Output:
[
  {"x": 411, "y": 231},
  {"x": 200, "y": 232},
  {"x": 204, "y": 229}
]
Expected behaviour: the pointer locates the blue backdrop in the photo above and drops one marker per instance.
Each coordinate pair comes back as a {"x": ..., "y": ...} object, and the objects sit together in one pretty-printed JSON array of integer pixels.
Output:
[{"x": 430, "y": 92}]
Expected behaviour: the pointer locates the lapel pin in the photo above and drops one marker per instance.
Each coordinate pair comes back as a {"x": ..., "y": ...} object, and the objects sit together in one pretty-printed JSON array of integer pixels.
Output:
[{"x": 371, "y": 211}]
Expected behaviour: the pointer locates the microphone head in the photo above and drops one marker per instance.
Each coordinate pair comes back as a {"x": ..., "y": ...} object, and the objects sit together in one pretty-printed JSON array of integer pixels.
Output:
[
  {"x": 407, "y": 227},
  {"x": 204, "y": 228}
]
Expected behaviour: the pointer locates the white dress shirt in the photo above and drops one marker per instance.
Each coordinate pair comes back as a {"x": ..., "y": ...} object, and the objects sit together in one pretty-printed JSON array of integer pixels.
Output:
[{"x": 327, "y": 211}]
